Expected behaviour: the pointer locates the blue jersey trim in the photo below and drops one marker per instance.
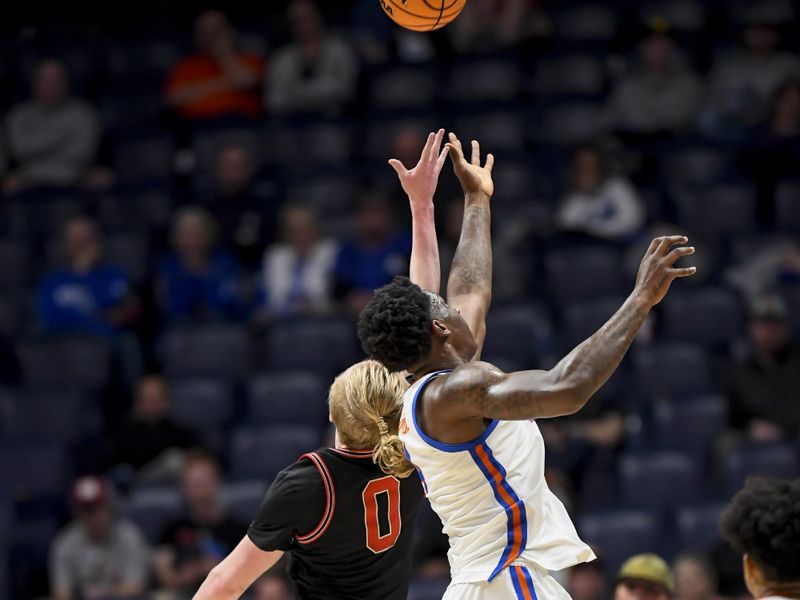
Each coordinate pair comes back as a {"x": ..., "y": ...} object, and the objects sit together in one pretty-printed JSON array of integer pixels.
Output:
[{"x": 441, "y": 445}]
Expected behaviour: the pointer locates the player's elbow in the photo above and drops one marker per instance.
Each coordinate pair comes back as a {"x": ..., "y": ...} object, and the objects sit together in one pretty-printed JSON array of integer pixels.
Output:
[
  {"x": 221, "y": 585},
  {"x": 572, "y": 394}
]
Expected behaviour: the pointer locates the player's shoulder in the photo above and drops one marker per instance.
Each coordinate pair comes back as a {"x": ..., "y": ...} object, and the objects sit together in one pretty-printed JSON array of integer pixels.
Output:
[
  {"x": 307, "y": 471},
  {"x": 469, "y": 376}
]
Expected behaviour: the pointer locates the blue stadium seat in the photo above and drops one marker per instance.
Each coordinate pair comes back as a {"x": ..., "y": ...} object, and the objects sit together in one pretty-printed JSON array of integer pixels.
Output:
[
  {"x": 583, "y": 273},
  {"x": 299, "y": 398},
  {"x": 331, "y": 195},
  {"x": 722, "y": 209},
  {"x": 217, "y": 350},
  {"x": 5, "y": 542},
  {"x": 689, "y": 425},
  {"x": 672, "y": 370},
  {"x": 787, "y": 206},
  {"x": 202, "y": 403},
  {"x": 520, "y": 332},
  {"x": 762, "y": 460},
  {"x": 582, "y": 319},
  {"x": 325, "y": 345},
  {"x": 60, "y": 415},
  {"x": 380, "y": 134},
  {"x": 586, "y": 22},
  {"x": 711, "y": 317},
  {"x": 135, "y": 207},
  {"x": 569, "y": 74},
  {"x": 15, "y": 268},
  {"x": 151, "y": 508},
  {"x": 658, "y": 481},
  {"x": 129, "y": 251},
  {"x": 620, "y": 534},
  {"x": 496, "y": 130},
  {"x": 484, "y": 80},
  {"x": 66, "y": 362},
  {"x": 243, "y": 498},
  {"x": 403, "y": 87},
  {"x": 145, "y": 159},
  {"x": 698, "y": 527},
  {"x": 572, "y": 123},
  {"x": 696, "y": 166},
  {"x": 143, "y": 61},
  {"x": 32, "y": 470},
  {"x": 261, "y": 453}
]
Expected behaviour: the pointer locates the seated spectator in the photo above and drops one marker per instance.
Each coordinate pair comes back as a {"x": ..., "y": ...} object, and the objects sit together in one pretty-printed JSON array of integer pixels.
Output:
[
  {"x": 98, "y": 555},
  {"x": 776, "y": 262},
  {"x": 298, "y": 271},
  {"x": 487, "y": 25},
  {"x": 219, "y": 80},
  {"x": 763, "y": 386},
  {"x": 190, "y": 546},
  {"x": 85, "y": 296},
  {"x": 198, "y": 281},
  {"x": 53, "y": 138},
  {"x": 661, "y": 94},
  {"x": 316, "y": 71},
  {"x": 694, "y": 578},
  {"x": 761, "y": 525},
  {"x": 150, "y": 443},
  {"x": 245, "y": 210},
  {"x": 644, "y": 577},
  {"x": 598, "y": 203},
  {"x": 372, "y": 259},
  {"x": 588, "y": 581},
  {"x": 743, "y": 83}
]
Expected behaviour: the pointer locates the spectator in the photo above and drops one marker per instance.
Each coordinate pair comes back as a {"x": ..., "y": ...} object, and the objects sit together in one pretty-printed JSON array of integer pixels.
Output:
[
  {"x": 85, "y": 296},
  {"x": 598, "y": 203},
  {"x": 298, "y": 271},
  {"x": 245, "y": 209},
  {"x": 588, "y": 581},
  {"x": 190, "y": 546},
  {"x": 764, "y": 385},
  {"x": 644, "y": 577},
  {"x": 220, "y": 79},
  {"x": 197, "y": 281},
  {"x": 743, "y": 83},
  {"x": 775, "y": 262},
  {"x": 316, "y": 71},
  {"x": 150, "y": 443},
  {"x": 694, "y": 578},
  {"x": 97, "y": 555},
  {"x": 661, "y": 94},
  {"x": 761, "y": 524},
  {"x": 374, "y": 257},
  {"x": 52, "y": 139}
]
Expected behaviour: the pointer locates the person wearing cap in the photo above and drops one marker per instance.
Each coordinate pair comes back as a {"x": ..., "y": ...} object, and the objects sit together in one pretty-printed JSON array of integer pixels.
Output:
[
  {"x": 97, "y": 555},
  {"x": 644, "y": 577},
  {"x": 763, "y": 386},
  {"x": 761, "y": 523}
]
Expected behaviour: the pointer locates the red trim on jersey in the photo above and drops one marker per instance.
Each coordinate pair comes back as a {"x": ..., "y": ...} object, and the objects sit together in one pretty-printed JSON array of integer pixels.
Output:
[
  {"x": 330, "y": 500},
  {"x": 354, "y": 453}
]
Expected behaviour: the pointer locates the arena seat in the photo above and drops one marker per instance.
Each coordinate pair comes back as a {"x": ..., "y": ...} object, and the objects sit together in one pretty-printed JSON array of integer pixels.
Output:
[
  {"x": 658, "y": 481},
  {"x": 519, "y": 331},
  {"x": 484, "y": 80},
  {"x": 327, "y": 345},
  {"x": 583, "y": 272},
  {"x": 586, "y": 22},
  {"x": 66, "y": 362},
  {"x": 698, "y": 527},
  {"x": 215, "y": 350},
  {"x": 403, "y": 87},
  {"x": 129, "y": 251},
  {"x": 620, "y": 534},
  {"x": 243, "y": 498},
  {"x": 151, "y": 508},
  {"x": 569, "y": 74},
  {"x": 148, "y": 158},
  {"x": 261, "y": 453},
  {"x": 709, "y": 316},
  {"x": 787, "y": 206},
  {"x": 201, "y": 402},
  {"x": 690, "y": 425},
  {"x": 59, "y": 415},
  {"x": 299, "y": 398},
  {"x": 762, "y": 460},
  {"x": 673, "y": 369},
  {"x": 497, "y": 130},
  {"x": 583, "y": 318},
  {"x": 32, "y": 470},
  {"x": 571, "y": 123},
  {"x": 721, "y": 209},
  {"x": 15, "y": 267}
]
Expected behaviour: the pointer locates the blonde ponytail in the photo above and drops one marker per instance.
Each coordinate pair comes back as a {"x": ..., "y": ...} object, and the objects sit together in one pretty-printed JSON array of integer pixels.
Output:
[{"x": 365, "y": 404}]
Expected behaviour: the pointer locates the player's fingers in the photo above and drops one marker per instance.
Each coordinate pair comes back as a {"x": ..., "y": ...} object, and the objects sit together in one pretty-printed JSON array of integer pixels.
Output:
[
  {"x": 652, "y": 247},
  {"x": 437, "y": 144},
  {"x": 476, "y": 153},
  {"x": 426, "y": 150},
  {"x": 682, "y": 272},
  {"x": 489, "y": 162},
  {"x": 668, "y": 241},
  {"x": 455, "y": 152},
  {"x": 441, "y": 159},
  {"x": 676, "y": 253},
  {"x": 397, "y": 166},
  {"x": 455, "y": 141}
]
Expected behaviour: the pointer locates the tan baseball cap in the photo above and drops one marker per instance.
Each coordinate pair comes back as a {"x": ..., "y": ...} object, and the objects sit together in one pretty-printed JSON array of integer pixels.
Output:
[{"x": 650, "y": 568}]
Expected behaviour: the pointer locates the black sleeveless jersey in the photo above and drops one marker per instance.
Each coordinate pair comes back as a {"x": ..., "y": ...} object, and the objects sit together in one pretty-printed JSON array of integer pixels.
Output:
[{"x": 346, "y": 525}]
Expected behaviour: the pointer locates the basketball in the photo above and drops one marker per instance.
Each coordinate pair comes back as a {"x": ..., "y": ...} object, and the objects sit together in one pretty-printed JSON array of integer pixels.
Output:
[{"x": 422, "y": 15}]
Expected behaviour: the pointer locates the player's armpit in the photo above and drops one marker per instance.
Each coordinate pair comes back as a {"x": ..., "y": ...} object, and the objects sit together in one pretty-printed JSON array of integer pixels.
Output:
[{"x": 230, "y": 578}]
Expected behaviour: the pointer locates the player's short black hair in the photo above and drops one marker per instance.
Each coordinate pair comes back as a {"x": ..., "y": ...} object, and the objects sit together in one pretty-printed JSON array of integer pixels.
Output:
[
  {"x": 395, "y": 327},
  {"x": 763, "y": 521}
]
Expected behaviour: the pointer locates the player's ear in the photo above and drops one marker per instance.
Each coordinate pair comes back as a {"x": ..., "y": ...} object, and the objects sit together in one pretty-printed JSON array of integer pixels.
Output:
[{"x": 439, "y": 329}]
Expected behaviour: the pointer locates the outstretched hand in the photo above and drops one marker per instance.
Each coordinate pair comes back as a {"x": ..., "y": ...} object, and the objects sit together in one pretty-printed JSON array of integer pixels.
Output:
[
  {"x": 420, "y": 182},
  {"x": 474, "y": 178},
  {"x": 657, "y": 270}
]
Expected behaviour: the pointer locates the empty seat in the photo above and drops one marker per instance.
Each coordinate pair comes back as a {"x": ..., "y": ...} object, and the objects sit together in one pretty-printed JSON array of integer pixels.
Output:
[
  {"x": 586, "y": 22},
  {"x": 201, "y": 403},
  {"x": 658, "y": 481},
  {"x": 243, "y": 498},
  {"x": 14, "y": 264},
  {"x": 55, "y": 415},
  {"x": 496, "y": 130},
  {"x": 698, "y": 527},
  {"x": 723, "y": 209},
  {"x": 261, "y": 453},
  {"x": 32, "y": 470},
  {"x": 517, "y": 331},
  {"x": 484, "y": 80},
  {"x": 695, "y": 166},
  {"x": 573, "y": 123},
  {"x": 382, "y": 133},
  {"x": 572, "y": 74},
  {"x": 324, "y": 345},
  {"x": 145, "y": 159},
  {"x": 620, "y": 534},
  {"x": 152, "y": 508},
  {"x": 221, "y": 351},
  {"x": 583, "y": 319},
  {"x": 582, "y": 273},
  {"x": 689, "y": 425},
  {"x": 711, "y": 317},
  {"x": 298, "y": 398},
  {"x": 130, "y": 252},
  {"x": 406, "y": 87},
  {"x": 767, "y": 460},
  {"x": 66, "y": 361},
  {"x": 673, "y": 370},
  {"x": 683, "y": 15},
  {"x": 787, "y": 206}
]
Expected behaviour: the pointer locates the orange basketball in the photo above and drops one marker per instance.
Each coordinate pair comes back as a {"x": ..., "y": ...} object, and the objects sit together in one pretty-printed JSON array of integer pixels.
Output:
[{"x": 422, "y": 15}]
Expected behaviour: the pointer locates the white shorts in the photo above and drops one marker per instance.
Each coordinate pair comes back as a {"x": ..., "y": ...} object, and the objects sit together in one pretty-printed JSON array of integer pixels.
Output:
[{"x": 517, "y": 582}]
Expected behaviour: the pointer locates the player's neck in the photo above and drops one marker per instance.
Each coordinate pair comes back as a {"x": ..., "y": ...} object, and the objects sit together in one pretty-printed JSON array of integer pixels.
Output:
[{"x": 437, "y": 363}]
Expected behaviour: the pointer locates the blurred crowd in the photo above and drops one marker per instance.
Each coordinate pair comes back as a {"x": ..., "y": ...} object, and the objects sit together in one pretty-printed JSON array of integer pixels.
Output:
[{"x": 193, "y": 216}]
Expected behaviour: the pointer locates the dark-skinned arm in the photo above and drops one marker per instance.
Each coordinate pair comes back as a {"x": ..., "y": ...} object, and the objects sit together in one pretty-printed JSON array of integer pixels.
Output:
[
  {"x": 469, "y": 286},
  {"x": 479, "y": 390}
]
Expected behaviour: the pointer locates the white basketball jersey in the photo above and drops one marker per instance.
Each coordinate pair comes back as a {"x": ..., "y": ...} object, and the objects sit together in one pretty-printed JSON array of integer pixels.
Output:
[{"x": 492, "y": 497}]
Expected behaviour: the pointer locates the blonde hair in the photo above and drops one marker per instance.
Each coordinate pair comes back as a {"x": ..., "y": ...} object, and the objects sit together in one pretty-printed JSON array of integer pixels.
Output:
[{"x": 365, "y": 403}]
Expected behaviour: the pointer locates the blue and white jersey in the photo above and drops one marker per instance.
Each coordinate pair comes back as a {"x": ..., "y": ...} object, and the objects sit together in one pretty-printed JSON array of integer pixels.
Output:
[{"x": 492, "y": 497}]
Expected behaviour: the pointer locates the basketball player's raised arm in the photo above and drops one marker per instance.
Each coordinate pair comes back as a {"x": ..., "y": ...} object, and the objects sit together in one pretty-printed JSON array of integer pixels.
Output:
[
  {"x": 469, "y": 287},
  {"x": 489, "y": 393},
  {"x": 420, "y": 184}
]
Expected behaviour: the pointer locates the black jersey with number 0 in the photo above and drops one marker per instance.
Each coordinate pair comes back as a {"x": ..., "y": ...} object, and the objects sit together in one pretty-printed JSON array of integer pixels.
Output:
[{"x": 346, "y": 524}]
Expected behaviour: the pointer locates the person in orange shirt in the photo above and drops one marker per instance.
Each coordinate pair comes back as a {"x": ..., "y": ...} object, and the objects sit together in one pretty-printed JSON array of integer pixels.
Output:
[{"x": 219, "y": 80}]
